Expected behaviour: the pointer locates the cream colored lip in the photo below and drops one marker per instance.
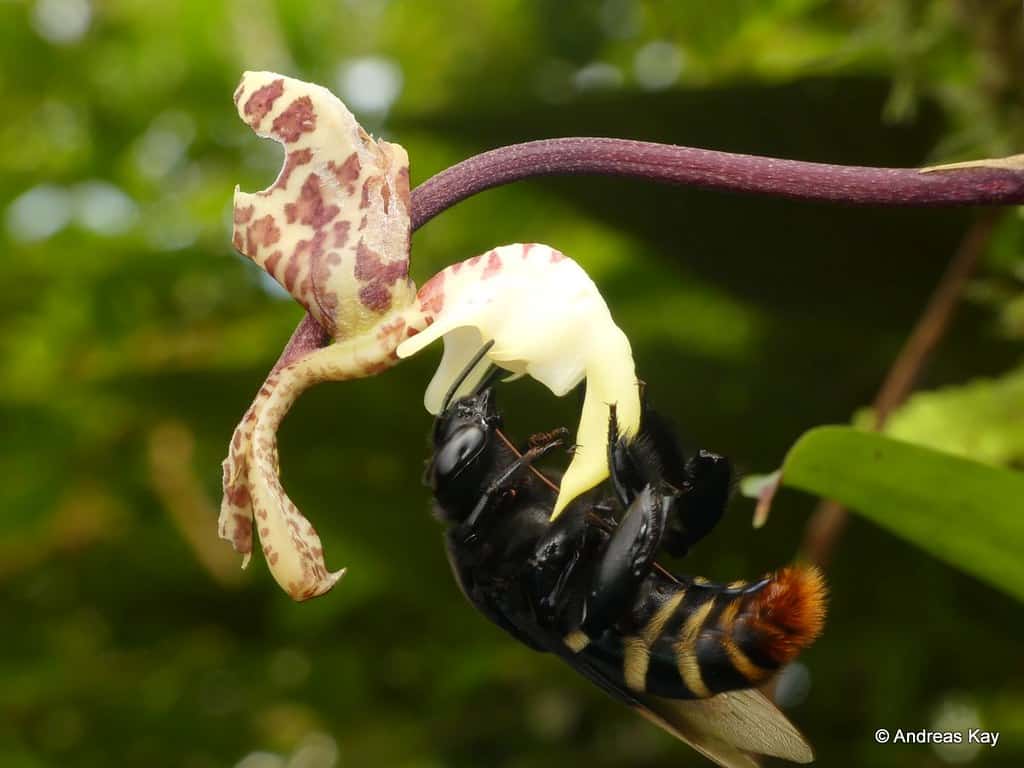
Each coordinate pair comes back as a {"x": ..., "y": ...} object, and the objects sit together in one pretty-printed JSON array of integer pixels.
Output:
[{"x": 546, "y": 319}]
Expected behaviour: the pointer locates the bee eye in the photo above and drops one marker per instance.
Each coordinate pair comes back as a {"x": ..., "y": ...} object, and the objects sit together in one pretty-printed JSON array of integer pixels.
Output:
[{"x": 459, "y": 450}]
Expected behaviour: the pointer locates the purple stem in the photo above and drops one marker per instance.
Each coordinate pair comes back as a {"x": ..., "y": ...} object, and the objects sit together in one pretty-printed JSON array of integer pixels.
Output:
[
  {"x": 709, "y": 169},
  {"x": 703, "y": 168}
]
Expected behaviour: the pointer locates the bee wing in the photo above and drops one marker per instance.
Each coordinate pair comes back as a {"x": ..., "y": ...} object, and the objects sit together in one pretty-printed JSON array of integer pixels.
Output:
[
  {"x": 730, "y": 728},
  {"x": 715, "y": 750}
]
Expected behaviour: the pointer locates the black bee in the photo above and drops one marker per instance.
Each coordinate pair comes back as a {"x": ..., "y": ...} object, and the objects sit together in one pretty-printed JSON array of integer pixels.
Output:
[{"x": 685, "y": 652}]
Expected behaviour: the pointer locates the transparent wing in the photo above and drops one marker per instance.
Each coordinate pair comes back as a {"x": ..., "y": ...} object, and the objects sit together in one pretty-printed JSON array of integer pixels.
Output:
[{"x": 730, "y": 728}]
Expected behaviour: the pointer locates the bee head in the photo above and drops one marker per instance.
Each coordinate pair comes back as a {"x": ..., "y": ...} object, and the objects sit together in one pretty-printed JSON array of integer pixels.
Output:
[
  {"x": 463, "y": 438},
  {"x": 473, "y": 411}
]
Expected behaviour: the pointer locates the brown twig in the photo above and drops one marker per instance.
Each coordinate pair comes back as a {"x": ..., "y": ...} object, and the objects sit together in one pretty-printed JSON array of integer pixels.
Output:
[{"x": 826, "y": 525}]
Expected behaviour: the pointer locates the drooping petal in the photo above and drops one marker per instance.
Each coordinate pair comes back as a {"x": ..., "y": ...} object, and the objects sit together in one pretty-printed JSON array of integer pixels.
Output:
[
  {"x": 235, "y": 523},
  {"x": 290, "y": 542}
]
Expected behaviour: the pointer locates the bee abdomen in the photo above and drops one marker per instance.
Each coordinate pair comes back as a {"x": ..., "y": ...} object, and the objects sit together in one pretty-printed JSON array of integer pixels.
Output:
[{"x": 727, "y": 637}]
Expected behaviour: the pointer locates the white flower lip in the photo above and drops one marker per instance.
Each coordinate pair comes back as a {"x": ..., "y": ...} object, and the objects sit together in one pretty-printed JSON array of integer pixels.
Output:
[{"x": 548, "y": 320}]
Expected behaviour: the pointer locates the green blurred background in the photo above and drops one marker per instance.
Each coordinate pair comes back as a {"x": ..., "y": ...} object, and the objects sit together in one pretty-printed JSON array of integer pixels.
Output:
[{"x": 133, "y": 339}]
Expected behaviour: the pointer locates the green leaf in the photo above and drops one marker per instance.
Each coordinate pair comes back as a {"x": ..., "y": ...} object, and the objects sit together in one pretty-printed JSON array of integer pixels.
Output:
[
  {"x": 983, "y": 419},
  {"x": 968, "y": 514}
]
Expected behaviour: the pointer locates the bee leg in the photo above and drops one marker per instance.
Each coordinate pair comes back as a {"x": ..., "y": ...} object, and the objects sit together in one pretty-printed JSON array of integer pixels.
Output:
[
  {"x": 555, "y": 568},
  {"x": 606, "y": 512},
  {"x": 541, "y": 439},
  {"x": 640, "y": 461},
  {"x": 627, "y": 559},
  {"x": 497, "y": 488},
  {"x": 624, "y": 466},
  {"x": 702, "y": 502}
]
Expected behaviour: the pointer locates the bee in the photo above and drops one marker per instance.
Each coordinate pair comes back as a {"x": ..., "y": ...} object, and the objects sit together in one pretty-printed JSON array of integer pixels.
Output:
[{"x": 684, "y": 652}]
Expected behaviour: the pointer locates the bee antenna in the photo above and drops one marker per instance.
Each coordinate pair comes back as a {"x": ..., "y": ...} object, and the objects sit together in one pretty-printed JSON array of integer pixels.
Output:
[
  {"x": 464, "y": 374},
  {"x": 493, "y": 374}
]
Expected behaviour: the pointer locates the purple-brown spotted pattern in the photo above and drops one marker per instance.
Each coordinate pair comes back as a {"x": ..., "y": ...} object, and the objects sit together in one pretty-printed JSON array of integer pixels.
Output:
[{"x": 334, "y": 230}]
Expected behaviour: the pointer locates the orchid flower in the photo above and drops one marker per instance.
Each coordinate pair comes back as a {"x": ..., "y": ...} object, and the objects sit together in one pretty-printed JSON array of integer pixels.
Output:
[
  {"x": 334, "y": 231},
  {"x": 546, "y": 319}
]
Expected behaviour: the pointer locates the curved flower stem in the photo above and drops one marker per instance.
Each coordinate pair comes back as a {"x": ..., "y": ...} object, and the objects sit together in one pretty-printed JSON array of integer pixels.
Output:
[
  {"x": 997, "y": 184},
  {"x": 985, "y": 183}
]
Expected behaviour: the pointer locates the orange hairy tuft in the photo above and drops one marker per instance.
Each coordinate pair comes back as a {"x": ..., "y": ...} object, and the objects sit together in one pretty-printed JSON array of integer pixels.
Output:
[{"x": 789, "y": 613}]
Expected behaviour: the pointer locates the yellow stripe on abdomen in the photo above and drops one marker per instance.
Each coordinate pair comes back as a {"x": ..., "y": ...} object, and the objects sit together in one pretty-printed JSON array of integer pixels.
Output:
[
  {"x": 635, "y": 660},
  {"x": 576, "y": 640},
  {"x": 742, "y": 662},
  {"x": 686, "y": 654},
  {"x": 654, "y": 627}
]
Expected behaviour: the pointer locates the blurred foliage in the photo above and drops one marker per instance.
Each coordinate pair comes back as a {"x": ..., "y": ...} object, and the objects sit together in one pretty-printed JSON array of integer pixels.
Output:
[
  {"x": 960, "y": 510},
  {"x": 983, "y": 420},
  {"x": 133, "y": 339}
]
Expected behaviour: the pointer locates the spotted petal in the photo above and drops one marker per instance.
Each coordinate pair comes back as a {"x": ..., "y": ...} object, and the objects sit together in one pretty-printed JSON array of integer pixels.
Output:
[{"x": 334, "y": 230}]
